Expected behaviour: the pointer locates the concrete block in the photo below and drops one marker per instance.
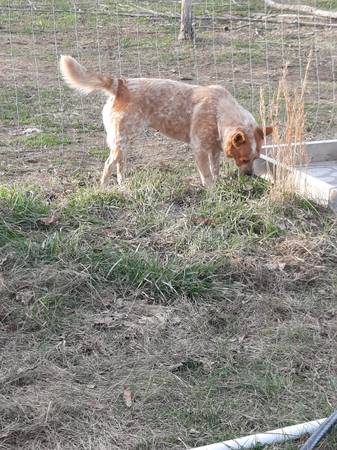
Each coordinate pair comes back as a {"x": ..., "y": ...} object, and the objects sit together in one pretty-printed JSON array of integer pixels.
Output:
[{"x": 317, "y": 180}]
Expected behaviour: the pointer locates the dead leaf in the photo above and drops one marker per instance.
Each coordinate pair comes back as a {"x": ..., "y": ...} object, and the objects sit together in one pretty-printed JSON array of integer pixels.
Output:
[
  {"x": 276, "y": 265},
  {"x": 25, "y": 296},
  {"x": 96, "y": 405},
  {"x": 200, "y": 220},
  {"x": 103, "y": 322},
  {"x": 109, "y": 231},
  {"x": 175, "y": 321},
  {"x": 30, "y": 131},
  {"x": 2, "y": 280},
  {"x": 3, "y": 261},
  {"x": 46, "y": 221},
  {"x": 5, "y": 434},
  {"x": 193, "y": 182},
  {"x": 127, "y": 396},
  {"x": 12, "y": 327},
  {"x": 26, "y": 131}
]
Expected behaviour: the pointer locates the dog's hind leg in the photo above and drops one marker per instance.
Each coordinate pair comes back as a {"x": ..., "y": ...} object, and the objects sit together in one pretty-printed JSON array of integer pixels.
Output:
[
  {"x": 121, "y": 165},
  {"x": 121, "y": 134},
  {"x": 122, "y": 122},
  {"x": 116, "y": 158},
  {"x": 113, "y": 159}
]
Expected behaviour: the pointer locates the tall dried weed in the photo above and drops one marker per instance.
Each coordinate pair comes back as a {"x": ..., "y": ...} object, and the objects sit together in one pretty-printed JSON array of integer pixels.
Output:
[{"x": 286, "y": 113}]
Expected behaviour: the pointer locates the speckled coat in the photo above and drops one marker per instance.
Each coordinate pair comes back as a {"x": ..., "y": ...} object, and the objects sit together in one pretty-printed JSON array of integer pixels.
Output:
[{"x": 207, "y": 117}]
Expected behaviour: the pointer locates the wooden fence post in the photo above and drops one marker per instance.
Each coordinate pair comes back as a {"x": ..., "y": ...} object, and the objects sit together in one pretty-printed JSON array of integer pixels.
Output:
[{"x": 186, "y": 27}]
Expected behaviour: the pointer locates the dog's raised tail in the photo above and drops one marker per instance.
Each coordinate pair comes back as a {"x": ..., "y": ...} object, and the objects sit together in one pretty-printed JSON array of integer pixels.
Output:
[{"x": 78, "y": 77}]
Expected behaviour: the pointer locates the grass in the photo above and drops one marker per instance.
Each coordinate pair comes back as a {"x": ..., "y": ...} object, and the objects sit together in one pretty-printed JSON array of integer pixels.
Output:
[
  {"x": 24, "y": 208},
  {"x": 160, "y": 280},
  {"x": 43, "y": 140},
  {"x": 287, "y": 108},
  {"x": 99, "y": 153},
  {"x": 216, "y": 308},
  {"x": 235, "y": 213},
  {"x": 90, "y": 275}
]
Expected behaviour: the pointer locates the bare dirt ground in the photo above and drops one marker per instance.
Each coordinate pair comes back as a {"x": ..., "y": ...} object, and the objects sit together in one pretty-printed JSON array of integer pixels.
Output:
[{"x": 160, "y": 316}]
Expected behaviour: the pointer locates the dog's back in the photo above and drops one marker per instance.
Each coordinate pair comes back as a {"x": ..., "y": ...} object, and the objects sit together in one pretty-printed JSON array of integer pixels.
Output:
[{"x": 208, "y": 118}]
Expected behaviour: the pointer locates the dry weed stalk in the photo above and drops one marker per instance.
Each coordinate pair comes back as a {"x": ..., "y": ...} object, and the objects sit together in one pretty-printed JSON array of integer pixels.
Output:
[{"x": 286, "y": 113}]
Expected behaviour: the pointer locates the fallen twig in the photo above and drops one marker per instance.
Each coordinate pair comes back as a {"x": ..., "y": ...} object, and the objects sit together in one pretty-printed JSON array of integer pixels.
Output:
[{"x": 302, "y": 8}]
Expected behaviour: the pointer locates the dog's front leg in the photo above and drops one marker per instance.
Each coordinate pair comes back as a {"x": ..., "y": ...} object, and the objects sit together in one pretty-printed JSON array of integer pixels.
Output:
[
  {"x": 203, "y": 163},
  {"x": 214, "y": 162}
]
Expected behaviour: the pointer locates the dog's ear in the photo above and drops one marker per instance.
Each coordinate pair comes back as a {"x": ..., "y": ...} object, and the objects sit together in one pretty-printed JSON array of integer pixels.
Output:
[
  {"x": 233, "y": 142},
  {"x": 238, "y": 138},
  {"x": 262, "y": 132}
]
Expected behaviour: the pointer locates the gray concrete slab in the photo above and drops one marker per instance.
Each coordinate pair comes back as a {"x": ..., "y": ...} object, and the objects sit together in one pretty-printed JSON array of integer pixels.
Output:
[{"x": 316, "y": 180}]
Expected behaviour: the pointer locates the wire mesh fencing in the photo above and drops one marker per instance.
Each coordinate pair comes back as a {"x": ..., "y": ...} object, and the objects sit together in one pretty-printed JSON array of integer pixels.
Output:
[{"x": 241, "y": 44}]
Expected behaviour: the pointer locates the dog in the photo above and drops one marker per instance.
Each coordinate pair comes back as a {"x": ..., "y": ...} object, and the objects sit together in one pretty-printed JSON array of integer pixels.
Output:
[{"x": 207, "y": 117}]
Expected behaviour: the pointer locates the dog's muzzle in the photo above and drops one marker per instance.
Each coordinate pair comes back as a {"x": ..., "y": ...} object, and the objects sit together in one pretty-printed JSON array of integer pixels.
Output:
[{"x": 246, "y": 169}]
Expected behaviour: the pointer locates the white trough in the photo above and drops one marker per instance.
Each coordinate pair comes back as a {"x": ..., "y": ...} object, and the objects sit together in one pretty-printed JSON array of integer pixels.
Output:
[{"x": 317, "y": 180}]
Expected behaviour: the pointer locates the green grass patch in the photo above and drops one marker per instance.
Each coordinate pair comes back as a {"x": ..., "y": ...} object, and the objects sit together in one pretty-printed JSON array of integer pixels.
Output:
[
  {"x": 20, "y": 211},
  {"x": 65, "y": 245},
  {"x": 22, "y": 207},
  {"x": 234, "y": 206},
  {"x": 150, "y": 187},
  {"x": 11, "y": 237},
  {"x": 52, "y": 310},
  {"x": 92, "y": 204},
  {"x": 161, "y": 279},
  {"x": 43, "y": 140},
  {"x": 99, "y": 153}
]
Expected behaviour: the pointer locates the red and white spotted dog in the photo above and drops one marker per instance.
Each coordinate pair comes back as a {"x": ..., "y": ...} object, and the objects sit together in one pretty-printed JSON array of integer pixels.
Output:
[{"x": 207, "y": 117}]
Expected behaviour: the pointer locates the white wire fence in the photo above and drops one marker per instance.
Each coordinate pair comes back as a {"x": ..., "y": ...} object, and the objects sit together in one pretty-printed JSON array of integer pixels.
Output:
[{"x": 241, "y": 44}]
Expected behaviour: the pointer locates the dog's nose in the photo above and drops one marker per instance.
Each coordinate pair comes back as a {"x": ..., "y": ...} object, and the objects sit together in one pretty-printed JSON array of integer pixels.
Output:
[{"x": 248, "y": 172}]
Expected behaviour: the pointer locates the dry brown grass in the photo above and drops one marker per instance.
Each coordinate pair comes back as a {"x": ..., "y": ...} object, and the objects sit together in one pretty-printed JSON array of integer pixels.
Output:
[
  {"x": 286, "y": 113},
  {"x": 109, "y": 295}
]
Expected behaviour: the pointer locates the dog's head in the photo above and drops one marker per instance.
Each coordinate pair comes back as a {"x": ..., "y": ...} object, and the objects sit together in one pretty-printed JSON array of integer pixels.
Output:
[{"x": 244, "y": 145}]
